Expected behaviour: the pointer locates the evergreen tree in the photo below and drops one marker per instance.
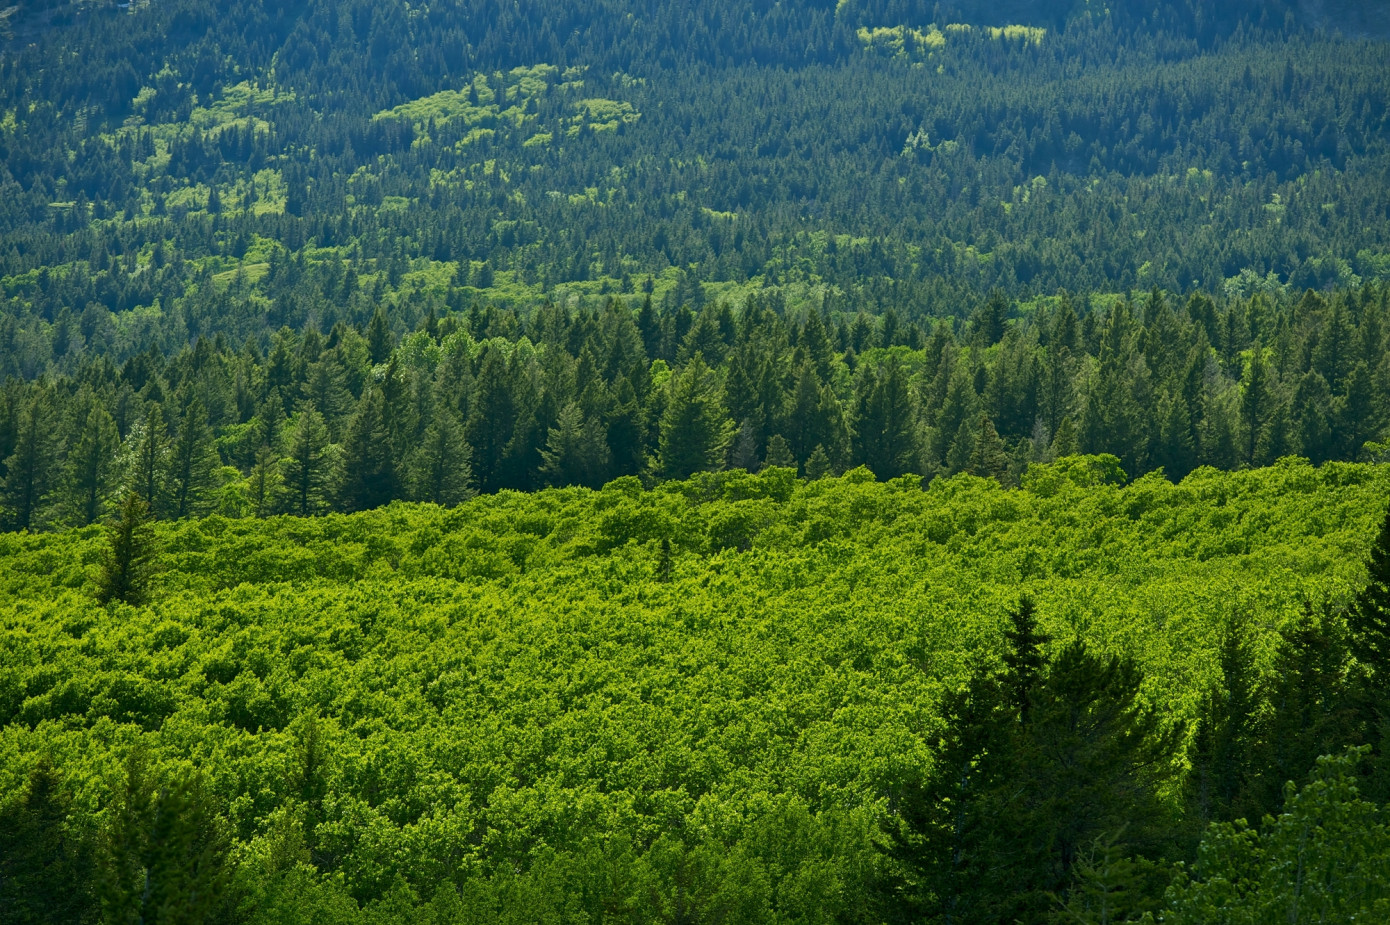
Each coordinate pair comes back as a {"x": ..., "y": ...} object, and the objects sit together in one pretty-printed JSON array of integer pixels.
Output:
[
  {"x": 988, "y": 458},
  {"x": 31, "y": 471},
  {"x": 149, "y": 444},
  {"x": 818, "y": 466},
  {"x": 306, "y": 475},
  {"x": 164, "y": 858},
  {"x": 440, "y": 469},
  {"x": 779, "y": 454},
  {"x": 1255, "y": 400},
  {"x": 576, "y": 452},
  {"x": 128, "y": 561},
  {"x": 369, "y": 476},
  {"x": 695, "y": 430},
  {"x": 192, "y": 462},
  {"x": 380, "y": 340},
  {"x": 89, "y": 474},
  {"x": 1224, "y": 739},
  {"x": 45, "y": 864},
  {"x": 491, "y": 420},
  {"x": 884, "y": 432}
]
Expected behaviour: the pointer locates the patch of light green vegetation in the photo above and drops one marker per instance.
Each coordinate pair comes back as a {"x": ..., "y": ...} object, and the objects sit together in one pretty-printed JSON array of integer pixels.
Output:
[
  {"x": 1031, "y": 35},
  {"x": 604, "y": 115},
  {"x": 538, "y": 140},
  {"x": 901, "y": 40}
]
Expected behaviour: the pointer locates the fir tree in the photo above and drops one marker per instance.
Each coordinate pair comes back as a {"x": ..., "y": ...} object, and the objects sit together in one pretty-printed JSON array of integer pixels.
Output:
[
  {"x": 149, "y": 459},
  {"x": 380, "y": 340},
  {"x": 988, "y": 458},
  {"x": 575, "y": 451},
  {"x": 439, "y": 469},
  {"x": 192, "y": 462}
]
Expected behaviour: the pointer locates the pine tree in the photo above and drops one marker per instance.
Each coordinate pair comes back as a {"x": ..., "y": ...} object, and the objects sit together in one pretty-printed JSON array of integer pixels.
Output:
[
  {"x": 779, "y": 454},
  {"x": 491, "y": 420},
  {"x": 45, "y": 865},
  {"x": 1254, "y": 402},
  {"x": 306, "y": 474},
  {"x": 439, "y": 469},
  {"x": 818, "y": 466},
  {"x": 31, "y": 471},
  {"x": 164, "y": 857},
  {"x": 884, "y": 429},
  {"x": 1224, "y": 738},
  {"x": 149, "y": 460},
  {"x": 1024, "y": 660},
  {"x": 1369, "y": 617},
  {"x": 988, "y": 458},
  {"x": 128, "y": 561}
]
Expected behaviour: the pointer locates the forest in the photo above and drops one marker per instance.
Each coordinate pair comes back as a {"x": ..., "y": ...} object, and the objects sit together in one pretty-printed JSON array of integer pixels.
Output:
[
  {"x": 734, "y": 698},
  {"x": 869, "y": 461}
]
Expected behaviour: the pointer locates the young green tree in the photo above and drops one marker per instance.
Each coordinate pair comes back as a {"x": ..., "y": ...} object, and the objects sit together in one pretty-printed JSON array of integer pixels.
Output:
[
  {"x": 576, "y": 452},
  {"x": 380, "y": 340},
  {"x": 369, "y": 477},
  {"x": 149, "y": 452},
  {"x": 128, "y": 560}
]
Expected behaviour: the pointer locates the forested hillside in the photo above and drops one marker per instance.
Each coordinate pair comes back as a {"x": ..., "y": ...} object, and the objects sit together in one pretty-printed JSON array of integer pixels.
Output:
[
  {"x": 855, "y": 461},
  {"x": 736, "y": 698}
]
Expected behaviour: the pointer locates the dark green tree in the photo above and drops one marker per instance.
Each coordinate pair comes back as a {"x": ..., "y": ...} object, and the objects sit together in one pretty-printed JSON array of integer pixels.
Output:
[
  {"x": 31, "y": 470},
  {"x": 380, "y": 340},
  {"x": 439, "y": 469},
  {"x": 885, "y": 435},
  {"x": 90, "y": 472},
  {"x": 369, "y": 477},
  {"x": 191, "y": 464},
  {"x": 695, "y": 430},
  {"x": 45, "y": 863},
  {"x": 128, "y": 562},
  {"x": 306, "y": 471},
  {"x": 576, "y": 450}
]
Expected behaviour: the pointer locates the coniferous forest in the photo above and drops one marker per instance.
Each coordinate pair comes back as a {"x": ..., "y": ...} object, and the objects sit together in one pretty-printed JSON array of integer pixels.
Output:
[{"x": 805, "y": 462}]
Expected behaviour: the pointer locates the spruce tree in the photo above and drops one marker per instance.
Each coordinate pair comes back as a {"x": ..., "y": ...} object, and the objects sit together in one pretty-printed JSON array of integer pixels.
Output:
[
  {"x": 576, "y": 452},
  {"x": 45, "y": 863},
  {"x": 380, "y": 340},
  {"x": 988, "y": 458},
  {"x": 149, "y": 460},
  {"x": 695, "y": 430},
  {"x": 192, "y": 463},
  {"x": 779, "y": 454},
  {"x": 884, "y": 425}
]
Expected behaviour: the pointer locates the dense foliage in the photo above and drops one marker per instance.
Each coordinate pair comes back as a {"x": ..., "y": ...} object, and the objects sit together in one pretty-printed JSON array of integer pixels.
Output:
[{"x": 736, "y": 698}]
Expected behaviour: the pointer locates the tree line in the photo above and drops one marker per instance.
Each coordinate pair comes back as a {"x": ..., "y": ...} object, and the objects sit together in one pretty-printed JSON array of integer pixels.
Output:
[{"x": 489, "y": 399}]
